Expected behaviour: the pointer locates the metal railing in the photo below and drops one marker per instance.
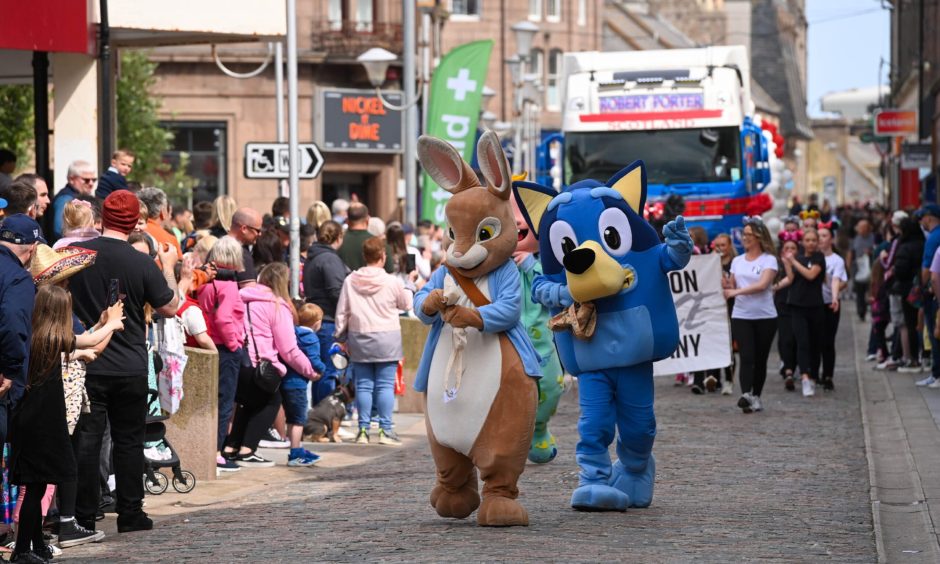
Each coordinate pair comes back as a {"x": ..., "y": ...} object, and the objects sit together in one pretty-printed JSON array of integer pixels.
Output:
[{"x": 351, "y": 38}]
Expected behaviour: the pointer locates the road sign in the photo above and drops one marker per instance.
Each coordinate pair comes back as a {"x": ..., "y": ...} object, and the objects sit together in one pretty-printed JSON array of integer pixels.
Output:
[
  {"x": 915, "y": 156},
  {"x": 895, "y": 123},
  {"x": 272, "y": 160}
]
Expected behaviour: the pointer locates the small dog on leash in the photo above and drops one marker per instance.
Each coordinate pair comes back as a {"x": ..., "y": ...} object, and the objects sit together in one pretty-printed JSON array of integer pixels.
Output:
[{"x": 323, "y": 421}]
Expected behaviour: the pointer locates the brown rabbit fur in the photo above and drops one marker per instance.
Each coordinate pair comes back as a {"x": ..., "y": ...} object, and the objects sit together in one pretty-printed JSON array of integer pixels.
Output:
[{"x": 484, "y": 234}]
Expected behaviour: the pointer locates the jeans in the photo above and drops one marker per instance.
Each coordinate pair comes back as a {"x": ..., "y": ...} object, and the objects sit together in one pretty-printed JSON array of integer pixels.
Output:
[
  {"x": 254, "y": 414},
  {"x": 325, "y": 385},
  {"x": 755, "y": 338},
  {"x": 930, "y": 313},
  {"x": 861, "y": 298},
  {"x": 375, "y": 385},
  {"x": 122, "y": 401},
  {"x": 229, "y": 366}
]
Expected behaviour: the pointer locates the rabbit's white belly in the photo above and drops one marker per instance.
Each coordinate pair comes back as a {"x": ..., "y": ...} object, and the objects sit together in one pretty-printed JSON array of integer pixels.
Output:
[{"x": 457, "y": 423}]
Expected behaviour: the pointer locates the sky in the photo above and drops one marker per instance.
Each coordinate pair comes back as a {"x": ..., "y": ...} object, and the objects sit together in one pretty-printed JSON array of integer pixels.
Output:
[{"x": 846, "y": 40}]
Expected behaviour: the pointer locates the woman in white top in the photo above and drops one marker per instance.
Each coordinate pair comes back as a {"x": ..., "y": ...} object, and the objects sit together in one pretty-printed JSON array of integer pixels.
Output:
[
  {"x": 754, "y": 317},
  {"x": 836, "y": 279}
]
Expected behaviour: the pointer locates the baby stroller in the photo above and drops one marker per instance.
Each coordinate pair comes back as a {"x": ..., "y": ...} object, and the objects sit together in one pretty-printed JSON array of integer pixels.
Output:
[{"x": 155, "y": 458}]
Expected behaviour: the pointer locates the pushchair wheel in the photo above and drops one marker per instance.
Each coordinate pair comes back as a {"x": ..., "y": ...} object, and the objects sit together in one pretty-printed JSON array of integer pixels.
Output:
[
  {"x": 158, "y": 485},
  {"x": 185, "y": 482}
]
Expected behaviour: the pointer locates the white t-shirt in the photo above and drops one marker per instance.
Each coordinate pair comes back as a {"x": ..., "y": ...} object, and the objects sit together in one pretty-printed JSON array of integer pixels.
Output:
[
  {"x": 747, "y": 273},
  {"x": 835, "y": 268}
]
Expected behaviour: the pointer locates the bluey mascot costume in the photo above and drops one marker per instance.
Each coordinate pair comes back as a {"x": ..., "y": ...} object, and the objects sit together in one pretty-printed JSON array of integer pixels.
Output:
[
  {"x": 605, "y": 279},
  {"x": 478, "y": 368},
  {"x": 535, "y": 318}
]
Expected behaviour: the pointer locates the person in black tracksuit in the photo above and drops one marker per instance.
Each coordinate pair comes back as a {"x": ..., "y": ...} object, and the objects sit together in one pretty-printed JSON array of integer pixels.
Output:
[{"x": 806, "y": 307}]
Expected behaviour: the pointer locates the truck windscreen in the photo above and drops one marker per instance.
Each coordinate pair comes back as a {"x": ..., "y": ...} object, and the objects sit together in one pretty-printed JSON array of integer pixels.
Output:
[{"x": 672, "y": 156}]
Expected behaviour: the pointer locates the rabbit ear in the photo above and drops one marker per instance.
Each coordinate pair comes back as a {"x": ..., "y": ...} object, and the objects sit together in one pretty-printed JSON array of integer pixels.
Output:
[
  {"x": 493, "y": 165},
  {"x": 442, "y": 163}
]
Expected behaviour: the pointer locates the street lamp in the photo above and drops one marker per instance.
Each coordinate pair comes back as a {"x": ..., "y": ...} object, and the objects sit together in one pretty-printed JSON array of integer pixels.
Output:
[
  {"x": 376, "y": 61},
  {"x": 487, "y": 119},
  {"x": 487, "y": 96},
  {"x": 525, "y": 32}
]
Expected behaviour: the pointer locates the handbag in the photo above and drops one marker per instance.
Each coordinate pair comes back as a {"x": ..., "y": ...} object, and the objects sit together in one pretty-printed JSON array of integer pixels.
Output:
[{"x": 263, "y": 375}]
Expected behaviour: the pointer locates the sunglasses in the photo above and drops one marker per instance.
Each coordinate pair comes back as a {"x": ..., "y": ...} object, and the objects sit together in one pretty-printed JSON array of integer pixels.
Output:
[{"x": 88, "y": 180}]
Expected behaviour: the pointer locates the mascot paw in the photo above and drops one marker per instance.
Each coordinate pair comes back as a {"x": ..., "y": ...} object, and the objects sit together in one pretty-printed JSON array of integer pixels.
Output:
[
  {"x": 458, "y": 505},
  {"x": 599, "y": 497},
  {"x": 543, "y": 448},
  {"x": 637, "y": 485},
  {"x": 502, "y": 512}
]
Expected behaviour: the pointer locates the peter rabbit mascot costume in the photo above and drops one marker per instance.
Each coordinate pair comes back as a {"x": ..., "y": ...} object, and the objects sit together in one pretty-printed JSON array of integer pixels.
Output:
[
  {"x": 479, "y": 369},
  {"x": 605, "y": 280}
]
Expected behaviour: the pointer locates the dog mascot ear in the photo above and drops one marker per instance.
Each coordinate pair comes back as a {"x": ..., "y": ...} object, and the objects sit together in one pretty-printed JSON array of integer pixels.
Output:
[{"x": 484, "y": 421}]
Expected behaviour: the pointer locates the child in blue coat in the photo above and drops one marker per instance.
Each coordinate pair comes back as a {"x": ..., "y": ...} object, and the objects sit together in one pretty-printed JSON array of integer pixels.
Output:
[{"x": 294, "y": 386}]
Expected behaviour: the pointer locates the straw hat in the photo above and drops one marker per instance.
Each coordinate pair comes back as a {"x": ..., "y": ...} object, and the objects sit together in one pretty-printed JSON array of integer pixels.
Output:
[{"x": 50, "y": 266}]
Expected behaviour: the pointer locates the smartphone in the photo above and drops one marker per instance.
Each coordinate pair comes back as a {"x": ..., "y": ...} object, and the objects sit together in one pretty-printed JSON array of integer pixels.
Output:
[
  {"x": 114, "y": 291},
  {"x": 409, "y": 263}
]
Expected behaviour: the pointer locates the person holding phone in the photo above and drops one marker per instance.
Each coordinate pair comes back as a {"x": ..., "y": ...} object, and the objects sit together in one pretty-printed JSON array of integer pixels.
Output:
[
  {"x": 404, "y": 258},
  {"x": 117, "y": 381}
]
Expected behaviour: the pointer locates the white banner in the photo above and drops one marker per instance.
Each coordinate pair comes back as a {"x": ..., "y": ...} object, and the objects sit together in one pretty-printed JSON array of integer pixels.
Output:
[{"x": 704, "y": 331}]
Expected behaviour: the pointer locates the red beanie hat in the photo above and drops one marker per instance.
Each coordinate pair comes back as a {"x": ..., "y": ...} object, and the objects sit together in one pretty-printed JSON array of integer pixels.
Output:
[{"x": 121, "y": 211}]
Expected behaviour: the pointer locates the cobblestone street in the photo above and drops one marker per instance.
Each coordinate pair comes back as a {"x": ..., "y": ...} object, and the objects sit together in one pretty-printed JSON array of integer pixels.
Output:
[{"x": 789, "y": 484}]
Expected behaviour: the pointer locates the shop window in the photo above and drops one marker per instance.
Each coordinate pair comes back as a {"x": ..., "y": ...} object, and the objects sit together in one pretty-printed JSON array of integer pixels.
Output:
[
  {"x": 552, "y": 101},
  {"x": 465, "y": 8},
  {"x": 582, "y": 12},
  {"x": 205, "y": 145}
]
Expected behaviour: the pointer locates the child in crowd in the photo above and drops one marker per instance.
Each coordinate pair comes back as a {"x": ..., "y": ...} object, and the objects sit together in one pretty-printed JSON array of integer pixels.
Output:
[
  {"x": 294, "y": 386},
  {"x": 78, "y": 224}
]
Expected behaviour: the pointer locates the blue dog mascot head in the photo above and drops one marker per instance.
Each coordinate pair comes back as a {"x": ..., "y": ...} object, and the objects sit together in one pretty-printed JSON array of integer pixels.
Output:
[{"x": 593, "y": 239}]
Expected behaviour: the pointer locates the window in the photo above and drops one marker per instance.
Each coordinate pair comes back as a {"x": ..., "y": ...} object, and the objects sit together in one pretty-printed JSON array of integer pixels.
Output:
[
  {"x": 552, "y": 101},
  {"x": 553, "y": 10},
  {"x": 536, "y": 59},
  {"x": 364, "y": 15},
  {"x": 334, "y": 15},
  {"x": 582, "y": 12},
  {"x": 535, "y": 10},
  {"x": 465, "y": 8},
  {"x": 204, "y": 145}
]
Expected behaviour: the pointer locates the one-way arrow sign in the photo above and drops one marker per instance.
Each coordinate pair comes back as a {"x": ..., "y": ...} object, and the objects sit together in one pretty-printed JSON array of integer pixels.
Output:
[{"x": 272, "y": 160}]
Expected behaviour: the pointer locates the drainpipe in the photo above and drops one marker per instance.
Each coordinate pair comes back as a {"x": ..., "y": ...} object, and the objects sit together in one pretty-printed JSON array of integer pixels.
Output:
[{"x": 105, "y": 106}]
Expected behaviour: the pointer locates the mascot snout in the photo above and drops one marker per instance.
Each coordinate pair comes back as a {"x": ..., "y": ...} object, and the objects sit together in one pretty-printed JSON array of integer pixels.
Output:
[{"x": 592, "y": 273}]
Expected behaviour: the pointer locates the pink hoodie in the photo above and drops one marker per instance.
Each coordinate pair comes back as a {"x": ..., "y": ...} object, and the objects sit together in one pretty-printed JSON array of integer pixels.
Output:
[
  {"x": 225, "y": 312},
  {"x": 367, "y": 315},
  {"x": 272, "y": 328}
]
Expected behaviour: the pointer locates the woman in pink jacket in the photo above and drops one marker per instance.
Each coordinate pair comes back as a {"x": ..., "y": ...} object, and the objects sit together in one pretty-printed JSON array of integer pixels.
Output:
[
  {"x": 367, "y": 320},
  {"x": 269, "y": 322},
  {"x": 225, "y": 313}
]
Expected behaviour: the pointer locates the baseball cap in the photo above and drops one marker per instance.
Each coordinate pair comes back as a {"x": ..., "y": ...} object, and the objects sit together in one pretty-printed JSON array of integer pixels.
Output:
[
  {"x": 929, "y": 209},
  {"x": 3, "y": 204},
  {"x": 20, "y": 229}
]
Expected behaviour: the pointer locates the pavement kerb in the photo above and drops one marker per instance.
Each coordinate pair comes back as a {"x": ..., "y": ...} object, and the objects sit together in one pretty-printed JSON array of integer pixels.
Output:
[{"x": 885, "y": 533}]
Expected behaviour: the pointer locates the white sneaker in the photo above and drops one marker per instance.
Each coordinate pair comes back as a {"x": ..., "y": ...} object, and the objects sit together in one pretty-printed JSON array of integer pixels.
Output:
[
  {"x": 871, "y": 357},
  {"x": 889, "y": 364},
  {"x": 809, "y": 388},
  {"x": 935, "y": 385},
  {"x": 273, "y": 439},
  {"x": 727, "y": 388},
  {"x": 746, "y": 403},
  {"x": 345, "y": 434},
  {"x": 929, "y": 380},
  {"x": 756, "y": 405}
]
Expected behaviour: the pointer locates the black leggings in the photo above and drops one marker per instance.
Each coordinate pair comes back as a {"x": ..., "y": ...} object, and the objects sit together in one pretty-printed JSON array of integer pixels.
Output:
[
  {"x": 786, "y": 342},
  {"x": 255, "y": 411},
  {"x": 807, "y": 328},
  {"x": 754, "y": 338},
  {"x": 29, "y": 531},
  {"x": 828, "y": 352}
]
